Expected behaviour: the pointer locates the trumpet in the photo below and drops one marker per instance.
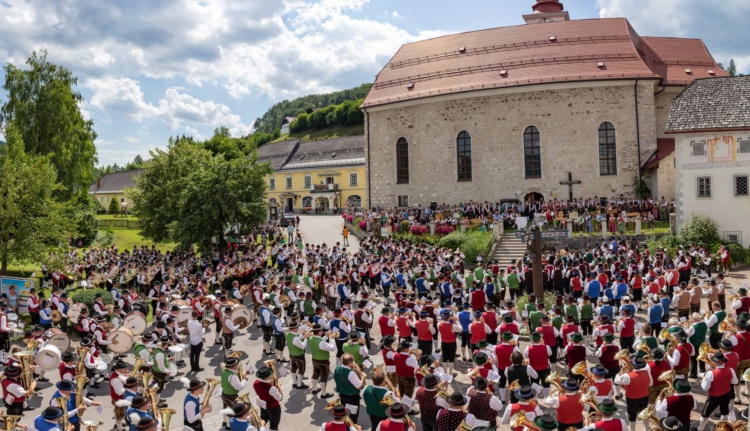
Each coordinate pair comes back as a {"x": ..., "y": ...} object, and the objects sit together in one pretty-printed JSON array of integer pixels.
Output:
[
  {"x": 520, "y": 420},
  {"x": 416, "y": 352},
  {"x": 649, "y": 414},
  {"x": 668, "y": 377},
  {"x": 212, "y": 383},
  {"x": 346, "y": 320}
]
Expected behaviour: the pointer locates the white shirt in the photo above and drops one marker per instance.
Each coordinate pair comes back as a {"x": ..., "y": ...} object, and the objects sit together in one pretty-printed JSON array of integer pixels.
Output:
[
  {"x": 661, "y": 406},
  {"x": 529, "y": 415},
  {"x": 624, "y": 379},
  {"x": 190, "y": 408},
  {"x": 495, "y": 403},
  {"x": 15, "y": 390},
  {"x": 299, "y": 341},
  {"x": 708, "y": 378},
  {"x": 196, "y": 331},
  {"x": 74, "y": 412}
]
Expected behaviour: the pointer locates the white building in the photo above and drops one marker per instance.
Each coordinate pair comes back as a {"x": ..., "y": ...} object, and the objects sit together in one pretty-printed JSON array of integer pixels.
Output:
[
  {"x": 710, "y": 121},
  {"x": 285, "y": 125}
]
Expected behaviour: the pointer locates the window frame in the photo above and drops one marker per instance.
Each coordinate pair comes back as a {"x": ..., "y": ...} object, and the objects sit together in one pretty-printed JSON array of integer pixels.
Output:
[
  {"x": 308, "y": 181},
  {"x": 747, "y": 183},
  {"x": 402, "y": 161},
  {"x": 698, "y": 187},
  {"x": 610, "y": 148},
  {"x": 692, "y": 148},
  {"x": 272, "y": 184},
  {"x": 531, "y": 131},
  {"x": 403, "y": 201},
  {"x": 353, "y": 176},
  {"x": 288, "y": 183},
  {"x": 463, "y": 169},
  {"x": 303, "y": 201}
]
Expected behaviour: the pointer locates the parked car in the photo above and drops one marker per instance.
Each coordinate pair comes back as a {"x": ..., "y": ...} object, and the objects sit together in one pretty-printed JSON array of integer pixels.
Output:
[{"x": 287, "y": 219}]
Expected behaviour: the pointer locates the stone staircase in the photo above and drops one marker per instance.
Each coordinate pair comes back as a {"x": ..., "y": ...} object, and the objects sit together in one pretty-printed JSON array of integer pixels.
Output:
[{"x": 508, "y": 248}]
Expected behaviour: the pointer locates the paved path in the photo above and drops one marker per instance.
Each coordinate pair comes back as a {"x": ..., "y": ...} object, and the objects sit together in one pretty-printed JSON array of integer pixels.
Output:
[{"x": 325, "y": 229}]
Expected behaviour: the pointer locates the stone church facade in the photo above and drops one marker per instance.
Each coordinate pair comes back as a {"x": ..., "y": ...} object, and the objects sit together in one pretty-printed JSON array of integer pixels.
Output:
[{"x": 505, "y": 115}]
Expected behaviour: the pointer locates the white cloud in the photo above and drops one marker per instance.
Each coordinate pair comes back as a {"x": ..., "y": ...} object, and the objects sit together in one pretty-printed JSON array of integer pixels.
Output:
[
  {"x": 195, "y": 133},
  {"x": 721, "y": 25},
  {"x": 130, "y": 139},
  {"x": 122, "y": 96},
  {"x": 395, "y": 14}
]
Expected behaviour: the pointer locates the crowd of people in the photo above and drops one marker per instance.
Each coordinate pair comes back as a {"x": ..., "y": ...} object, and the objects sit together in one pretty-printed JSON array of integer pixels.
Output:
[{"x": 439, "y": 319}]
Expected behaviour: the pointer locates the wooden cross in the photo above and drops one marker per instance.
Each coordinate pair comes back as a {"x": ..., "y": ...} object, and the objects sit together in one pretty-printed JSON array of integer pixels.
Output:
[{"x": 570, "y": 183}]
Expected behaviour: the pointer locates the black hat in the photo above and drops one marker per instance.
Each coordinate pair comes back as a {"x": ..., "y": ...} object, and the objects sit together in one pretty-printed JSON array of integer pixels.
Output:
[
  {"x": 51, "y": 413},
  {"x": 13, "y": 371},
  {"x": 263, "y": 373},
  {"x": 231, "y": 362},
  {"x": 195, "y": 384},
  {"x": 68, "y": 356},
  {"x": 353, "y": 336},
  {"x": 339, "y": 411},
  {"x": 430, "y": 381},
  {"x": 682, "y": 386},
  {"x": 146, "y": 423},
  {"x": 456, "y": 399},
  {"x": 637, "y": 362},
  {"x": 657, "y": 353},
  {"x": 131, "y": 382},
  {"x": 726, "y": 344},
  {"x": 164, "y": 339},
  {"x": 240, "y": 409},
  {"x": 525, "y": 393},
  {"x": 396, "y": 410},
  {"x": 138, "y": 401},
  {"x": 65, "y": 385},
  {"x": 670, "y": 423},
  {"x": 148, "y": 337},
  {"x": 480, "y": 383},
  {"x": 404, "y": 344},
  {"x": 719, "y": 357},
  {"x": 571, "y": 385}
]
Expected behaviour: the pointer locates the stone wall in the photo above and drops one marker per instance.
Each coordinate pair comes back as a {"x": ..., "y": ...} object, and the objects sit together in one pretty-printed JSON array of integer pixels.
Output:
[{"x": 567, "y": 118}]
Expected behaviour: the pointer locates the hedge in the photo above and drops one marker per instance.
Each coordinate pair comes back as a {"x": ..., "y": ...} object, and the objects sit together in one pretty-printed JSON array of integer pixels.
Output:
[{"x": 88, "y": 297}]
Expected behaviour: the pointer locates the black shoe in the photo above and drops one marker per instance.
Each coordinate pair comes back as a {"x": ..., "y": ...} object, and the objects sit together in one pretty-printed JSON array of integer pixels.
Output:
[
  {"x": 284, "y": 361},
  {"x": 42, "y": 379},
  {"x": 437, "y": 351},
  {"x": 303, "y": 386},
  {"x": 717, "y": 415},
  {"x": 199, "y": 369},
  {"x": 693, "y": 376},
  {"x": 315, "y": 391},
  {"x": 96, "y": 386},
  {"x": 619, "y": 397},
  {"x": 295, "y": 386},
  {"x": 328, "y": 395}
]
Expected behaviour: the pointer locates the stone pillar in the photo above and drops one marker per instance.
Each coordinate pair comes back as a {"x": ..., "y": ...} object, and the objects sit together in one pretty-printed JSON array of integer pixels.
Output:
[
  {"x": 638, "y": 226},
  {"x": 497, "y": 230},
  {"x": 463, "y": 227},
  {"x": 432, "y": 228},
  {"x": 604, "y": 228},
  {"x": 570, "y": 229}
]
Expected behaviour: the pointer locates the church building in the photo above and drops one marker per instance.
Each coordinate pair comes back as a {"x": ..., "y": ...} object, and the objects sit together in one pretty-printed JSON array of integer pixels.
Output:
[{"x": 518, "y": 112}]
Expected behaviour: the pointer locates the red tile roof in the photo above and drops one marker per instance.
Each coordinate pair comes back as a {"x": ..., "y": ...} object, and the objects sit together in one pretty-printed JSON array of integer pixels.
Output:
[
  {"x": 664, "y": 147},
  {"x": 474, "y": 60}
]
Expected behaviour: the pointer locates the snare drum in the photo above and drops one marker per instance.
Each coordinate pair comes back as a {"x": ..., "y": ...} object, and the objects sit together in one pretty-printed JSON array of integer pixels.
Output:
[
  {"x": 48, "y": 358},
  {"x": 242, "y": 316},
  {"x": 177, "y": 351},
  {"x": 136, "y": 322},
  {"x": 124, "y": 338},
  {"x": 15, "y": 331},
  {"x": 100, "y": 366},
  {"x": 184, "y": 315},
  {"x": 12, "y": 317},
  {"x": 58, "y": 338},
  {"x": 75, "y": 311}
]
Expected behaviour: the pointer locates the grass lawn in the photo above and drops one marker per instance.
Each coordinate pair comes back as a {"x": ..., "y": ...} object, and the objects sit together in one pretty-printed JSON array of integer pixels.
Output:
[
  {"x": 112, "y": 217},
  {"x": 128, "y": 238},
  {"x": 328, "y": 133}
]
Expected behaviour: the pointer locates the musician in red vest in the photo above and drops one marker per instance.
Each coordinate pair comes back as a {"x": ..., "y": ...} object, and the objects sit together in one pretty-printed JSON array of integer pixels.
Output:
[
  {"x": 680, "y": 358},
  {"x": 538, "y": 355},
  {"x": 14, "y": 394},
  {"x": 386, "y": 322},
  {"x": 404, "y": 324},
  {"x": 509, "y": 324},
  {"x": 524, "y": 395},
  {"x": 606, "y": 354},
  {"x": 269, "y": 396},
  {"x": 718, "y": 383},
  {"x": 636, "y": 385},
  {"x": 604, "y": 327},
  {"x": 657, "y": 367},
  {"x": 549, "y": 336},
  {"x": 678, "y": 405},
  {"x": 503, "y": 353},
  {"x": 741, "y": 304},
  {"x": 396, "y": 420},
  {"x": 425, "y": 330},
  {"x": 568, "y": 405},
  {"x": 339, "y": 414},
  {"x": 569, "y": 328},
  {"x": 608, "y": 408},
  {"x": 627, "y": 328},
  {"x": 478, "y": 297},
  {"x": 575, "y": 351},
  {"x": 389, "y": 353},
  {"x": 602, "y": 386},
  {"x": 490, "y": 318},
  {"x": 478, "y": 330},
  {"x": 406, "y": 365},
  {"x": 448, "y": 328},
  {"x": 117, "y": 391}
]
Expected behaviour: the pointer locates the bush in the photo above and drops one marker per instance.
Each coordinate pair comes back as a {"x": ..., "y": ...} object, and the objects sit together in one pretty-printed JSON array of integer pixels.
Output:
[
  {"x": 474, "y": 246},
  {"x": 404, "y": 226},
  {"x": 89, "y": 296},
  {"x": 105, "y": 237},
  {"x": 453, "y": 240},
  {"x": 443, "y": 229},
  {"x": 114, "y": 206},
  {"x": 418, "y": 230},
  {"x": 701, "y": 229},
  {"x": 87, "y": 228}
]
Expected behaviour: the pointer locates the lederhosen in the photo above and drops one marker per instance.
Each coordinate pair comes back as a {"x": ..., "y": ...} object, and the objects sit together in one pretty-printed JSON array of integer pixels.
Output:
[{"x": 227, "y": 333}]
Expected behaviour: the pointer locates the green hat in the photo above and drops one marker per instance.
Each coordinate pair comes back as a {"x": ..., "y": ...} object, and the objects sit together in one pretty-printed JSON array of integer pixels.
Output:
[
  {"x": 507, "y": 317},
  {"x": 608, "y": 337},
  {"x": 607, "y": 406},
  {"x": 480, "y": 358},
  {"x": 536, "y": 336},
  {"x": 507, "y": 335},
  {"x": 742, "y": 291},
  {"x": 386, "y": 310},
  {"x": 577, "y": 337},
  {"x": 483, "y": 343},
  {"x": 263, "y": 373},
  {"x": 546, "y": 422},
  {"x": 682, "y": 386}
]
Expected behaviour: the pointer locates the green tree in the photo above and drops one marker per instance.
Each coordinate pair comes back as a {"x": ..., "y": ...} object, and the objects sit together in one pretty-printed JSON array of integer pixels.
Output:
[
  {"x": 32, "y": 222},
  {"x": 44, "y": 109},
  {"x": 188, "y": 195},
  {"x": 83, "y": 214},
  {"x": 700, "y": 229},
  {"x": 114, "y": 206}
]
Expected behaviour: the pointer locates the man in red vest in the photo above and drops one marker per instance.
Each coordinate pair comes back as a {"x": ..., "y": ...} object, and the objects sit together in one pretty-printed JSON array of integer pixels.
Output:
[
  {"x": 718, "y": 383},
  {"x": 680, "y": 358},
  {"x": 425, "y": 330},
  {"x": 627, "y": 328},
  {"x": 406, "y": 365},
  {"x": 448, "y": 328},
  {"x": 509, "y": 324},
  {"x": 524, "y": 395},
  {"x": 396, "y": 420},
  {"x": 490, "y": 318},
  {"x": 575, "y": 351},
  {"x": 636, "y": 385},
  {"x": 606, "y": 354},
  {"x": 503, "y": 353},
  {"x": 538, "y": 355},
  {"x": 742, "y": 304},
  {"x": 269, "y": 396},
  {"x": 387, "y": 323},
  {"x": 568, "y": 405},
  {"x": 549, "y": 335},
  {"x": 478, "y": 330},
  {"x": 679, "y": 405},
  {"x": 339, "y": 414},
  {"x": 608, "y": 408}
]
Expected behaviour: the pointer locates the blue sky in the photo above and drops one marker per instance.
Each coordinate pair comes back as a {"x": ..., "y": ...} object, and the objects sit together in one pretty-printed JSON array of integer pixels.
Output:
[{"x": 149, "y": 69}]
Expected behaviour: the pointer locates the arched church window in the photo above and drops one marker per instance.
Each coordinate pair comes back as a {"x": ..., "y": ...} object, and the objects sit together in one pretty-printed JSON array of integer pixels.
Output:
[
  {"x": 463, "y": 144},
  {"x": 532, "y": 155},
  {"x": 607, "y": 150},
  {"x": 402, "y": 161}
]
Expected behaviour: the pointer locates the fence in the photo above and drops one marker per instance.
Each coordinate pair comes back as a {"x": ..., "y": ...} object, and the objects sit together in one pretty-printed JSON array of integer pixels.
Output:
[{"x": 120, "y": 224}]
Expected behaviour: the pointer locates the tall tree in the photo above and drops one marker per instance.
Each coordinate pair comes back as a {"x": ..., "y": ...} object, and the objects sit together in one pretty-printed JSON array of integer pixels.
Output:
[
  {"x": 45, "y": 110},
  {"x": 189, "y": 195},
  {"x": 732, "y": 69},
  {"x": 32, "y": 222}
]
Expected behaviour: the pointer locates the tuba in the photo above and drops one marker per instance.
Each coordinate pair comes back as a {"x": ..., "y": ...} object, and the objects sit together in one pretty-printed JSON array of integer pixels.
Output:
[
  {"x": 595, "y": 415},
  {"x": 625, "y": 366},
  {"x": 643, "y": 345},
  {"x": 581, "y": 369},
  {"x": 666, "y": 336},
  {"x": 555, "y": 380},
  {"x": 62, "y": 402},
  {"x": 212, "y": 383},
  {"x": 520, "y": 420},
  {"x": 649, "y": 414},
  {"x": 240, "y": 372},
  {"x": 388, "y": 400},
  {"x": 667, "y": 376},
  {"x": 82, "y": 351},
  {"x": 703, "y": 354},
  {"x": 151, "y": 394},
  {"x": 379, "y": 369},
  {"x": 26, "y": 360},
  {"x": 166, "y": 416},
  {"x": 10, "y": 422},
  {"x": 272, "y": 365},
  {"x": 93, "y": 425},
  {"x": 137, "y": 367},
  {"x": 145, "y": 379},
  {"x": 80, "y": 385}
]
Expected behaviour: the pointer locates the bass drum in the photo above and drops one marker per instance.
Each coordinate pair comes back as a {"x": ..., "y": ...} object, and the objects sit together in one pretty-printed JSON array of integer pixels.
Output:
[
  {"x": 181, "y": 303},
  {"x": 125, "y": 340},
  {"x": 242, "y": 316},
  {"x": 48, "y": 358},
  {"x": 141, "y": 307},
  {"x": 75, "y": 311},
  {"x": 136, "y": 322},
  {"x": 58, "y": 338}
]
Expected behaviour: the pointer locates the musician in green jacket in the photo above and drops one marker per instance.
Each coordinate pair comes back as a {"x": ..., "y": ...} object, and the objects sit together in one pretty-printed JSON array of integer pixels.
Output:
[{"x": 348, "y": 384}]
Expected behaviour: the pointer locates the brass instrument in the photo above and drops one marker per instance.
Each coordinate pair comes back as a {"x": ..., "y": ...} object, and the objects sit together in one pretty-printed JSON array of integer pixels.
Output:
[
  {"x": 555, "y": 379},
  {"x": 240, "y": 372},
  {"x": 347, "y": 320},
  {"x": 212, "y": 383},
  {"x": 166, "y": 416},
  {"x": 643, "y": 345},
  {"x": 666, "y": 336},
  {"x": 475, "y": 373},
  {"x": 379, "y": 369},
  {"x": 519, "y": 420},
  {"x": 81, "y": 381},
  {"x": 244, "y": 289},
  {"x": 254, "y": 417},
  {"x": 388, "y": 400},
  {"x": 727, "y": 326},
  {"x": 625, "y": 366},
  {"x": 286, "y": 301},
  {"x": 649, "y": 414},
  {"x": 746, "y": 375},
  {"x": 82, "y": 352},
  {"x": 93, "y": 425},
  {"x": 582, "y": 370},
  {"x": 26, "y": 359},
  {"x": 667, "y": 376},
  {"x": 704, "y": 352},
  {"x": 337, "y": 402},
  {"x": 151, "y": 394},
  {"x": 424, "y": 370},
  {"x": 272, "y": 365},
  {"x": 31, "y": 344},
  {"x": 416, "y": 352},
  {"x": 362, "y": 375},
  {"x": 514, "y": 386},
  {"x": 590, "y": 399},
  {"x": 62, "y": 402},
  {"x": 10, "y": 422},
  {"x": 145, "y": 379}
]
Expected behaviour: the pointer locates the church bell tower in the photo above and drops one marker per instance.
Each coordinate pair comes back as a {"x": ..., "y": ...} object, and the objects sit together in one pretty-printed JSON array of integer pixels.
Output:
[{"x": 547, "y": 11}]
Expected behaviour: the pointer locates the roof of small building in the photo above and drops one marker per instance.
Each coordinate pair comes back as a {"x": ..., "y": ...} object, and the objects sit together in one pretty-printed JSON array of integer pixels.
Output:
[
  {"x": 530, "y": 54},
  {"x": 710, "y": 104},
  {"x": 116, "y": 182},
  {"x": 277, "y": 153},
  {"x": 287, "y": 120},
  {"x": 329, "y": 152}
]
